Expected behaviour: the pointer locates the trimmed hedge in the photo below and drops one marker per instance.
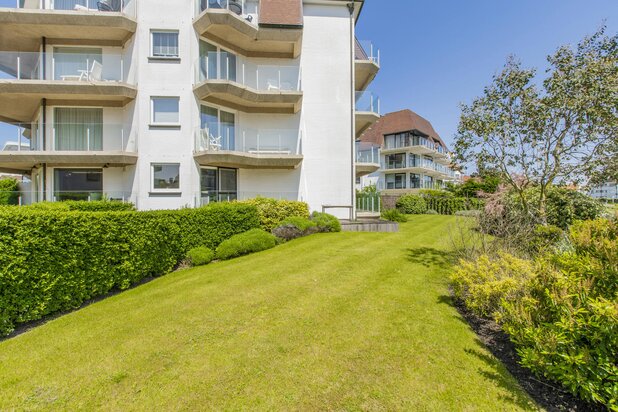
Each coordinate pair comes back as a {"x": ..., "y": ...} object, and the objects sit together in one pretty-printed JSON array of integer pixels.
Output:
[
  {"x": 200, "y": 256},
  {"x": 411, "y": 204},
  {"x": 272, "y": 212},
  {"x": 255, "y": 240},
  {"x": 9, "y": 192},
  {"x": 452, "y": 205},
  {"x": 53, "y": 260},
  {"x": 85, "y": 206}
]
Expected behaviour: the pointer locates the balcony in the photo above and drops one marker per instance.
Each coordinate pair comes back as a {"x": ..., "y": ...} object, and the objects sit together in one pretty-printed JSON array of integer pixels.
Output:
[
  {"x": 416, "y": 144},
  {"x": 249, "y": 149},
  {"x": 71, "y": 79},
  {"x": 234, "y": 24},
  {"x": 24, "y": 146},
  {"x": 23, "y": 23},
  {"x": 367, "y": 111},
  {"x": 367, "y": 158},
  {"x": 366, "y": 64},
  {"x": 225, "y": 79}
]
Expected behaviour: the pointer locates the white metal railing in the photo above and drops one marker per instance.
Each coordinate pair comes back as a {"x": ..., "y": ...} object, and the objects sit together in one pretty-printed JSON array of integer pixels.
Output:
[
  {"x": 253, "y": 141},
  {"x": 367, "y": 101},
  {"x": 367, "y": 153},
  {"x": 246, "y": 9},
  {"x": 119, "y": 6},
  {"x": 66, "y": 137},
  {"x": 365, "y": 50},
  {"x": 62, "y": 66},
  {"x": 229, "y": 67}
]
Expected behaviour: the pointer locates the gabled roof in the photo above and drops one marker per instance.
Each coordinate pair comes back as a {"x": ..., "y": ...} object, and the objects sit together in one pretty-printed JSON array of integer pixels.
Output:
[{"x": 400, "y": 122}]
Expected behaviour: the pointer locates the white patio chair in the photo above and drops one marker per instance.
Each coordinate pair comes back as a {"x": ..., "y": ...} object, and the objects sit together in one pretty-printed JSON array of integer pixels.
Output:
[{"x": 94, "y": 74}]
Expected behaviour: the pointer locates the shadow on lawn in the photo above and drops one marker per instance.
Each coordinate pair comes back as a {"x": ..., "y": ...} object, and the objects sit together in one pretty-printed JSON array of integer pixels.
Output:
[{"x": 429, "y": 257}]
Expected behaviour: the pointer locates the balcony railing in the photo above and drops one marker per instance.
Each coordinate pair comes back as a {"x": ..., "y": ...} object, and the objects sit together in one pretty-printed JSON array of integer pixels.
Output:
[
  {"x": 367, "y": 102},
  {"x": 118, "y": 6},
  {"x": 66, "y": 137},
  {"x": 367, "y": 153},
  {"x": 64, "y": 67},
  {"x": 265, "y": 141},
  {"x": 246, "y": 9},
  {"x": 365, "y": 50},
  {"x": 229, "y": 67}
]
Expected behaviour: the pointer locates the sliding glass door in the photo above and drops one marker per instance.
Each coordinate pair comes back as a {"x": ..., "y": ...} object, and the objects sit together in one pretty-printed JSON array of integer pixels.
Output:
[
  {"x": 78, "y": 184},
  {"x": 78, "y": 129},
  {"x": 218, "y": 185},
  {"x": 219, "y": 129}
]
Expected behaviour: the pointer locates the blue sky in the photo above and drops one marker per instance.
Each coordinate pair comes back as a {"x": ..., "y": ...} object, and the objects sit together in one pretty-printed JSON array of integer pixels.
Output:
[{"x": 438, "y": 53}]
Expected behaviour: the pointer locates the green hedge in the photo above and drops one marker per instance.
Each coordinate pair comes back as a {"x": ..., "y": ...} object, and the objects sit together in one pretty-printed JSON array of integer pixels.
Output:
[
  {"x": 54, "y": 260},
  {"x": 411, "y": 204},
  {"x": 9, "y": 192},
  {"x": 255, "y": 240},
  {"x": 452, "y": 205},
  {"x": 85, "y": 206},
  {"x": 272, "y": 212}
]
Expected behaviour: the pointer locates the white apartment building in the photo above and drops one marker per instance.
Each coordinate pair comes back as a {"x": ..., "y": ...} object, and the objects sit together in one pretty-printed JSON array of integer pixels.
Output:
[
  {"x": 172, "y": 104},
  {"x": 404, "y": 154},
  {"x": 606, "y": 191}
]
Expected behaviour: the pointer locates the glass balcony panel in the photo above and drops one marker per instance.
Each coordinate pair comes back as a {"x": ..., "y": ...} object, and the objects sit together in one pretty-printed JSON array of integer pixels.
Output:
[
  {"x": 367, "y": 101},
  {"x": 118, "y": 6},
  {"x": 246, "y": 9},
  {"x": 365, "y": 50}
]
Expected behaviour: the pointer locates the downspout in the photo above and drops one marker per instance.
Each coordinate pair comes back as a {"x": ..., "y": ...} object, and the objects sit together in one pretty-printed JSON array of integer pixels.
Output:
[
  {"x": 351, "y": 7},
  {"x": 44, "y": 120}
]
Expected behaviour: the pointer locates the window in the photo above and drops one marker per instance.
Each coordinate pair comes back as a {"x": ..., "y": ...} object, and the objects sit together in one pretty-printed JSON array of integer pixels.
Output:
[
  {"x": 396, "y": 161},
  {"x": 218, "y": 129},
  {"x": 396, "y": 181},
  {"x": 415, "y": 181},
  {"x": 218, "y": 185},
  {"x": 165, "y": 111},
  {"x": 216, "y": 63},
  {"x": 164, "y": 44},
  {"x": 71, "y": 62},
  {"x": 166, "y": 177},
  {"x": 78, "y": 184},
  {"x": 78, "y": 129}
]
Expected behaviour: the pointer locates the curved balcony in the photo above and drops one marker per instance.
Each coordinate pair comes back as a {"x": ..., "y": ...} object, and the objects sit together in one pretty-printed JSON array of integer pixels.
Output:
[
  {"x": 234, "y": 25},
  {"x": 366, "y": 64},
  {"x": 367, "y": 111},
  {"x": 249, "y": 149},
  {"x": 225, "y": 79},
  {"x": 91, "y": 82},
  {"x": 367, "y": 158},
  {"x": 75, "y": 145},
  {"x": 101, "y": 22}
]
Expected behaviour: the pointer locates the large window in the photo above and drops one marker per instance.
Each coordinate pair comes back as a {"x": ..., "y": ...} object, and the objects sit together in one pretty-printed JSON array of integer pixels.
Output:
[
  {"x": 218, "y": 129},
  {"x": 216, "y": 63},
  {"x": 218, "y": 184},
  {"x": 396, "y": 181},
  {"x": 164, "y": 43},
  {"x": 165, "y": 111},
  {"x": 78, "y": 129},
  {"x": 165, "y": 177},
  {"x": 70, "y": 63},
  {"x": 415, "y": 160},
  {"x": 396, "y": 161},
  {"x": 78, "y": 184},
  {"x": 415, "y": 181},
  {"x": 395, "y": 141},
  {"x": 427, "y": 182}
]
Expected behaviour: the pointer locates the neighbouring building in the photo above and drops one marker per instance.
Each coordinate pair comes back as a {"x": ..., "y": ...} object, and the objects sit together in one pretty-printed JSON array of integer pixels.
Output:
[
  {"x": 606, "y": 191},
  {"x": 170, "y": 104},
  {"x": 412, "y": 156}
]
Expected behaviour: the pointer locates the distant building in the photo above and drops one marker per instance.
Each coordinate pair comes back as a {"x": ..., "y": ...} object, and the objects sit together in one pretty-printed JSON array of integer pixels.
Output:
[{"x": 607, "y": 190}]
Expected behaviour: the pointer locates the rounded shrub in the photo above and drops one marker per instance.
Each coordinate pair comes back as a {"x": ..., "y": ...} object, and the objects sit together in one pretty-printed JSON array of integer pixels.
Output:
[
  {"x": 394, "y": 215},
  {"x": 411, "y": 204},
  {"x": 9, "y": 192},
  {"x": 200, "y": 256},
  {"x": 295, "y": 227},
  {"x": 272, "y": 211},
  {"x": 326, "y": 222},
  {"x": 301, "y": 223},
  {"x": 252, "y": 241}
]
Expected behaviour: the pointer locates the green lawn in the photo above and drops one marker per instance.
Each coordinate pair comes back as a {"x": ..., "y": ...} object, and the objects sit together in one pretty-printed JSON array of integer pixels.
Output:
[{"x": 349, "y": 321}]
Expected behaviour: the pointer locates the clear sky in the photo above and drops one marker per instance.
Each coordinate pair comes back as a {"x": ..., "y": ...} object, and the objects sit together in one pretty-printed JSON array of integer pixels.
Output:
[{"x": 438, "y": 53}]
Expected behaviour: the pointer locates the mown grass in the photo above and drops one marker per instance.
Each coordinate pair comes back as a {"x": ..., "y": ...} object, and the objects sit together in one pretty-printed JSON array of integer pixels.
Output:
[{"x": 349, "y": 321}]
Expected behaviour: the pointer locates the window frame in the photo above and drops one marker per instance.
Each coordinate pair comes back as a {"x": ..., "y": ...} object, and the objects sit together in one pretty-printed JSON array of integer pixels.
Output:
[
  {"x": 152, "y": 111},
  {"x": 152, "y": 55},
  {"x": 153, "y": 189}
]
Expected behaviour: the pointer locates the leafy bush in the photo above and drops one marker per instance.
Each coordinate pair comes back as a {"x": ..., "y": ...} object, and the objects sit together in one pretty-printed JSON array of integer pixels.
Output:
[
  {"x": 326, "y": 222},
  {"x": 54, "y": 260},
  {"x": 431, "y": 212},
  {"x": 452, "y": 205},
  {"x": 435, "y": 193},
  {"x": 473, "y": 187},
  {"x": 9, "y": 192},
  {"x": 394, "y": 215},
  {"x": 254, "y": 240},
  {"x": 272, "y": 212},
  {"x": 200, "y": 256},
  {"x": 85, "y": 206},
  {"x": 295, "y": 227},
  {"x": 301, "y": 223},
  {"x": 545, "y": 237},
  {"x": 411, "y": 204},
  {"x": 485, "y": 283}
]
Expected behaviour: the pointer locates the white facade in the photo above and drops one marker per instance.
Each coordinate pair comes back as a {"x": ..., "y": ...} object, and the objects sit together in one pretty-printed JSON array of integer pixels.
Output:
[
  {"x": 606, "y": 191},
  {"x": 156, "y": 152}
]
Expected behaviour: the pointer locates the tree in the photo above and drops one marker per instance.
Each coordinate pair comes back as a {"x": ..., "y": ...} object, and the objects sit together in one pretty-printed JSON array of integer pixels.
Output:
[{"x": 538, "y": 133}]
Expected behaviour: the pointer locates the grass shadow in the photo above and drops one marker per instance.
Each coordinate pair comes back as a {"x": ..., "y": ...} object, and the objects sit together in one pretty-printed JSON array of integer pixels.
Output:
[{"x": 431, "y": 257}]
